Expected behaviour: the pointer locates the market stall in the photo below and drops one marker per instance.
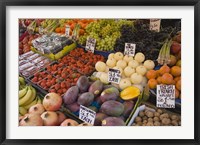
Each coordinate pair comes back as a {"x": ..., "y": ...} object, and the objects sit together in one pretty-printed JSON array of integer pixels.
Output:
[{"x": 100, "y": 72}]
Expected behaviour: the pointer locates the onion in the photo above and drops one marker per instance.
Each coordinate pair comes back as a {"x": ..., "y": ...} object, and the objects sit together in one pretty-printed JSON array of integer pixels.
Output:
[
  {"x": 31, "y": 120},
  {"x": 50, "y": 118},
  {"x": 37, "y": 108},
  {"x": 52, "y": 102}
]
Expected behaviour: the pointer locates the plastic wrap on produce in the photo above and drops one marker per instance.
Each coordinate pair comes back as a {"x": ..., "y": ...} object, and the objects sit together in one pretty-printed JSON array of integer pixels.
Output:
[
  {"x": 43, "y": 63},
  {"x": 22, "y": 62},
  {"x": 25, "y": 66},
  {"x": 39, "y": 59},
  {"x": 32, "y": 57},
  {"x": 26, "y": 55},
  {"x": 50, "y": 44},
  {"x": 30, "y": 71}
]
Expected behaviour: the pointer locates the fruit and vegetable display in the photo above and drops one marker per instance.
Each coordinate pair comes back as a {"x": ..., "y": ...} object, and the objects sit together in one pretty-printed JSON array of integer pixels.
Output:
[
  {"x": 134, "y": 64},
  {"x": 159, "y": 117}
]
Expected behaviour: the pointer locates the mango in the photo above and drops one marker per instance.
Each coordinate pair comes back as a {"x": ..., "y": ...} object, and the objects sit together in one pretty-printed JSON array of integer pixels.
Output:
[
  {"x": 128, "y": 107},
  {"x": 85, "y": 99},
  {"x": 71, "y": 95},
  {"x": 113, "y": 121},
  {"x": 99, "y": 118},
  {"x": 83, "y": 84},
  {"x": 112, "y": 108},
  {"x": 73, "y": 107},
  {"x": 108, "y": 86},
  {"x": 98, "y": 100},
  {"x": 96, "y": 88},
  {"x": 109, "y": 94},
  {"x": 122, "y": 117}
]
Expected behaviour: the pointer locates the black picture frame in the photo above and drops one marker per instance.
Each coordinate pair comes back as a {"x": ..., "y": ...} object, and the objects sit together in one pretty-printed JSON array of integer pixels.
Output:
[{"x": 5, "y": 3}]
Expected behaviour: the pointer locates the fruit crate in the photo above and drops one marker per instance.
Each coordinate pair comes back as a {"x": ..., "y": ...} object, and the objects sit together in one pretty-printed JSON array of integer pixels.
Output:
[
  {"x": 58, "y": 55},
  {"x": 150, "y": 107}
]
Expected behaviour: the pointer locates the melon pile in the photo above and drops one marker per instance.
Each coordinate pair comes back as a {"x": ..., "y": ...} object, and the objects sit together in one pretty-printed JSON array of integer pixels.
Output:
[{"x": 132, "y": 69}]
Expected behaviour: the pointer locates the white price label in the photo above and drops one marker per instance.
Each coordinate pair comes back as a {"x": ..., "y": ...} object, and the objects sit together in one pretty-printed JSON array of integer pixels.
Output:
[
  {"x": 155, "y": 25},
  {"x": 67, "y": 30},
  {"x": 165, "y": 96},
  {"x": 87, "y": 115},
  {"x": 90, "y": 44},
  {"x": 114, "y": 76},
  {"x": 129, "y": 49}
]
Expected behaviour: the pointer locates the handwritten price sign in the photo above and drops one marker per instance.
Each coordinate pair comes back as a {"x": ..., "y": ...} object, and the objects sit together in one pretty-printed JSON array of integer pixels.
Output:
[
  {"x": 87, "y": 115},
  {"x": 165, "y": 96},
  {"x": 155, "y": 25}
]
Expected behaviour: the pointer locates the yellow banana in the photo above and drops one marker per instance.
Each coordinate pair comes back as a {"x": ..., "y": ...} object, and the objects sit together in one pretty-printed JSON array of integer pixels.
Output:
[
  {"x": 32, "y": 97},
  {"x": 23, "y": 92},
  {"x": 22, "y": 111},
  {"x": 31, "y": 104},
  {"x": 22, "y": 81},
  {"x": 26, "y": 97},
  {"x": 39, "y": 100}
]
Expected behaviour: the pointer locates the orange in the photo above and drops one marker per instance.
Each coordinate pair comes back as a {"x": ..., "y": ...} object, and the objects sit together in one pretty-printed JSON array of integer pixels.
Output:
[
  {"x": 177, "y": 93},
  {"x": 175, "y": 71},
  {"x": 152, "y": 83},
  {"x": 151, "y": 74},
  {"x": 167, "y": 79},
  {"x": 57, "y": 30},
  {"x": 158, "y": 72},
  {"x": 177, "y": 79},
  {"x": 164, "y": 69},
  {"x": 178, "y": 85},
  {"x": 159, "y": 80},
  {"x": 173, "y": 82}
]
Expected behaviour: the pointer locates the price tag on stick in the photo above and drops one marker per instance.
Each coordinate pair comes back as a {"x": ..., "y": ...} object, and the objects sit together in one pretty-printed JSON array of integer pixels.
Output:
[
  {"x": 114, "y": 76},
  {"x": 90, "y": 44},
  {"x": 155, "y": 25},
  {"x": 67, "y": 30},
  {"x": 165, "y": 96},
  {"x": 87, "y": 115},
  {"x": 129, "y": 49}
]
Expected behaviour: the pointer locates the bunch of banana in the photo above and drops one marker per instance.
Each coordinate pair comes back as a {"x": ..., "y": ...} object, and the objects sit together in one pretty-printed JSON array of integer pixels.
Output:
[
  {"x": 27, "y": 98},
  {"x": 21, "y": 83}
]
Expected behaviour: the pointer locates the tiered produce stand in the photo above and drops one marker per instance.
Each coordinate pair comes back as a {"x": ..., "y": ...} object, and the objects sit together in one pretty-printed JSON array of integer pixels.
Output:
[{"x": 100, "y": 72}]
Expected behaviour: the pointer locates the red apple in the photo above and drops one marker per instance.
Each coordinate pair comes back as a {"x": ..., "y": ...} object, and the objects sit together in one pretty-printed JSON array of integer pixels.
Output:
[{"x": 175, "y": 47}]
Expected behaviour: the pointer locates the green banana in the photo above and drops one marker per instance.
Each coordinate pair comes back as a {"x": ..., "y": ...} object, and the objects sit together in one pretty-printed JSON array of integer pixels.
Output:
[
  {"x": 22, "y": 111},
  {"x": 22, "y": 81},
  {"x": 23, "y": 92},
  {"x": 31, "y": 104},
  {"x": 26, "y": 97},
  {"x": 32, "y": 97}
]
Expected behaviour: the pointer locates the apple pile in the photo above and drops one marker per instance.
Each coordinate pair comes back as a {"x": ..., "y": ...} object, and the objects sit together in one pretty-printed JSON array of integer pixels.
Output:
[
  {"x": 26, "y": 43},
  {"x": 132, "y": 69}
]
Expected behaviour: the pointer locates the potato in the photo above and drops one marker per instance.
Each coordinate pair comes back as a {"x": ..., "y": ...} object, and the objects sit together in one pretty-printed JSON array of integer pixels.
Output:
[
  {"x": 156, "y": 118},
  {"x": 144, "y": 118},
  {"x": 150, "y": 119},
  {"x": 144, "y": 121},
  {"x": 174, "y": 117},
  {"x": 174, "y": 123},
  {"x": 139, "y": 123},
  {"x": 141, "y": 114},
  {"x": 160, "y": 111},
  {"x": 138, "y": 119},
  {"x": 157, "y": 123},
  {"x": 165, "y": 115},
  {"x": 149, "y": 123},
  {"x": 166, "y": 121},
  {"x": 149, "y": 114},
  {"x": 156, "y": 114}
]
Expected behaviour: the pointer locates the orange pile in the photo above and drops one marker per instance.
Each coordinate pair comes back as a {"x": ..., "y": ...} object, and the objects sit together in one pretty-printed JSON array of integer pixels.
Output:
[{"x": 167, "y": 76}]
